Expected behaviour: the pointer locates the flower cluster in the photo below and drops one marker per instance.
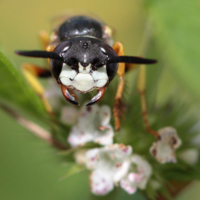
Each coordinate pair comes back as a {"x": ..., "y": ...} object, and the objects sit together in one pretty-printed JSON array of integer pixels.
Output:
[
  {"x": 114, "y": 164},
  {"x": 93, "y": 125}
]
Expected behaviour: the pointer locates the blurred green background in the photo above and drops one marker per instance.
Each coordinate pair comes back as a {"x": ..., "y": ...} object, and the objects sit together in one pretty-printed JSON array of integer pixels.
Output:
[{"x": 31, "y": 169}]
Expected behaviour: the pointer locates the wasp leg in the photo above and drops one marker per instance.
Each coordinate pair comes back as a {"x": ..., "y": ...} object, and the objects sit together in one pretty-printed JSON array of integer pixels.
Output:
[
  {"x": 141, "y": 90},
  {"x": 130, "y": 66},
  {"x": 45, "y": 40},
  {"x": 31, "y": 72},
  {"x": 117, "y": 110},
  {"x": 44, "y": 37}
]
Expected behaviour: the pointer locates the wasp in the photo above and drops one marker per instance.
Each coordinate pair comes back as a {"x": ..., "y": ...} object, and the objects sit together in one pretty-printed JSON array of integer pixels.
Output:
[{"x": 82, "y": 57}]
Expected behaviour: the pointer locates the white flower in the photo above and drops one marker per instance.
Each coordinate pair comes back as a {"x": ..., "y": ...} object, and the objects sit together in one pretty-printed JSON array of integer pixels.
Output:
[
  {"x": 69, "y": 115},
  {"x": 138, "y": 177},
  {"x": 164, "y": 149},
  {"x": 109, "y": 164},
  {"x": 53, "y": 94},
  {"x": 93, "y": 125},
  {"x": 196, "y": 140},
  {"x": 53, "y": 89},
  {"x": 100, "y": 183},
  {"x": 190, "y": 156},
  {"x": 79, "y": 156},
  {"x": 114, "y": 164}
]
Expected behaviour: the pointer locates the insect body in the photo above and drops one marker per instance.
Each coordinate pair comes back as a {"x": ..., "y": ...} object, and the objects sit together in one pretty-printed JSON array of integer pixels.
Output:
[
  {"x": 82, "y": 59},
  {"x": 82, "y": 45}
]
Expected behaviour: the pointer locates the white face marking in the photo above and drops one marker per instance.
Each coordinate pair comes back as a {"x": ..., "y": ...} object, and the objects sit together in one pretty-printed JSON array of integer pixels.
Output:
[
  {"x": 83, "y": 82},
  {"x": 67, "y": 72},
  {"x": 84, "y": 70},
  {"x": 85, "y": 58},
  {"x": 100, "y": 73},
  {"x": 86, "y": 79}
]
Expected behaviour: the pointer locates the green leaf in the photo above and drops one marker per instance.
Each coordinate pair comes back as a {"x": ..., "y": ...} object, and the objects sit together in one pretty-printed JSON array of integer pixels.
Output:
[
  {"x": 15, "y": 91},
  {"x": 176, "y": 27},
  {"x": 31, "y": 164},
  {"x": 73, "y": 170}
]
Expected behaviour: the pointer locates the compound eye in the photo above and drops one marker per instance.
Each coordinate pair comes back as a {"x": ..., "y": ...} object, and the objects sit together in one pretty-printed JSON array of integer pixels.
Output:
[
  {"x": 110, "y": 67},
  {"x": 107, "y": 50},
  {"x": 56, "y": 65},
  {"x": 62, "y": 48}
]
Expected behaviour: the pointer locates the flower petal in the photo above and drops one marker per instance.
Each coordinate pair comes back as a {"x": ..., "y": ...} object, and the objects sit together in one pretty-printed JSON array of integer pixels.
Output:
[
  {"x": 109, "y": 158},
  {"x": 78, "y": 136},
  {"x": 144, "y": 171},
  {"x": 127, "y": 187},
  {"x": 92, "y": 126},
  {"x": 53, "y": 94},
  {"x": 69, "y": 115},
  {"x": 105, "y": 115},
  {"x": 92, "y": 158},
  {"x": 110, "y": 163},
  {"x": 79, "y": 156},
  {"x": 100, "y": 183},
  {"x": 136, "y": 178},
  {"x": 104, "y": 137},
  {"x": 164, "y": 149},
  {"x": 190, "y": 156},
  {"x": 88, "y": 115},
  {"x": 122, "y": 169}
]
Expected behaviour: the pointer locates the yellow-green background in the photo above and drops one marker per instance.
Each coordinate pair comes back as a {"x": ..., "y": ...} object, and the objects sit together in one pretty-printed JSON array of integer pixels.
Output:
[{"x": 29, "y": 168}]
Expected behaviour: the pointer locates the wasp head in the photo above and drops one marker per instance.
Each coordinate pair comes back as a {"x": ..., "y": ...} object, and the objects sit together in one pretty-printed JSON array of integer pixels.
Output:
[{"x": 84, "y": 64}]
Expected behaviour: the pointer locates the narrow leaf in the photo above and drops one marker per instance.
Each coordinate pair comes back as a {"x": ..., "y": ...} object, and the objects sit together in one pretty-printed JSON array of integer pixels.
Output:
[
  {"x": 15, "y": 91},
  {"x": 73, "y": 170},
  {"x": 176, "y": 26}
]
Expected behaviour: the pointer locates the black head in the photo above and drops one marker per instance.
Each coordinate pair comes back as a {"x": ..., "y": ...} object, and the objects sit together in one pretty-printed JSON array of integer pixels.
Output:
[
  {"x": 84, "y": 64},
  {"x": 84, "y": 50}
]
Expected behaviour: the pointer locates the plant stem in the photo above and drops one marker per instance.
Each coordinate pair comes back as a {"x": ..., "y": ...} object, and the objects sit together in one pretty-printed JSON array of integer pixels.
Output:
[{"x": 33, "y": 128}]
